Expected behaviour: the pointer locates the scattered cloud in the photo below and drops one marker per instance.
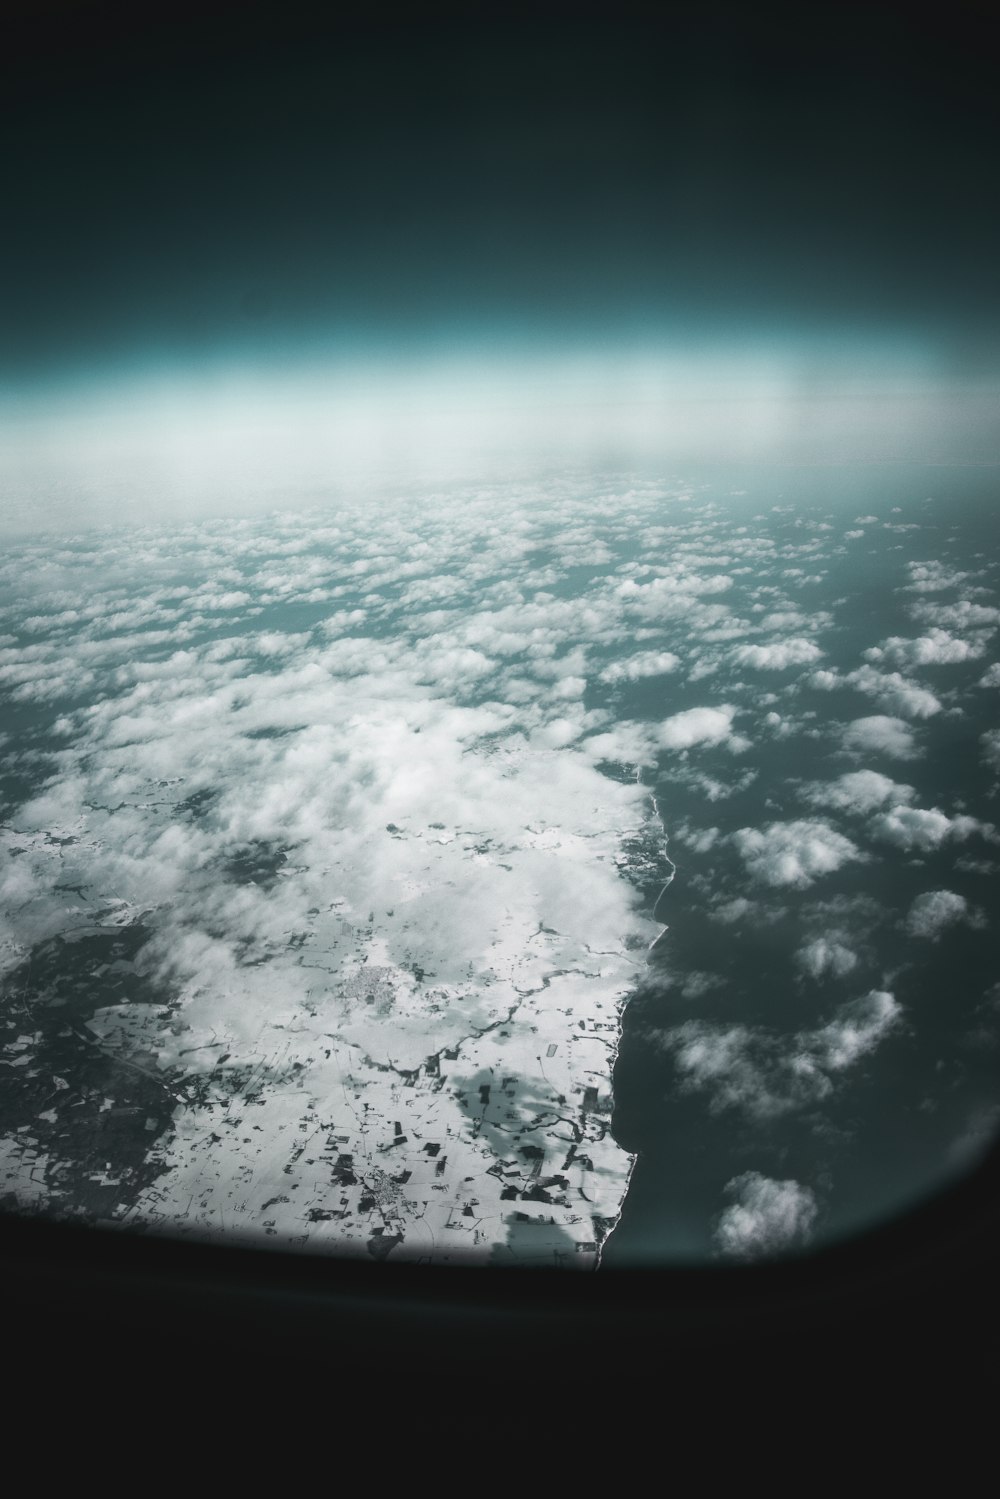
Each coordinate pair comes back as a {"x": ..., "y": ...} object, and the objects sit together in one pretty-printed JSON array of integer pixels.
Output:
[
  {"x": 779, "y": 655},
  {"x": 766, "y": 1216},
  {"x": 965, "y": 615},
  {"x": 696, "y": 726},
  {"x": 936, "y": 910},
  {"x": 919, "y": 829},
  {"x": 933, "y": 577},
  {"x": 858, "y": 792},
  {"x": 644, "y": 664},
  {"x": 937, "y": 648},
  {"x": 826, "y": 956},
  {"x": 856, "y": 1030},
  {"x": 881, "y": 734},
  {"x": 764, "y": 1075},
  {"x": 895, "y": 693},
  {"x": 794, "y": 853}
]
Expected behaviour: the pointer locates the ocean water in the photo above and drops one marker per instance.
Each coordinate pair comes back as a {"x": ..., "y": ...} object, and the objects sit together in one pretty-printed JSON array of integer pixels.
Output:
[{"x": 914, "y": 1112}]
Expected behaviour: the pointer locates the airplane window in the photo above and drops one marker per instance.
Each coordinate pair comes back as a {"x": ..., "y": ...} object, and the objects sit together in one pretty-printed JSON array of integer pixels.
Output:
[{"x": 498, "y": 657}]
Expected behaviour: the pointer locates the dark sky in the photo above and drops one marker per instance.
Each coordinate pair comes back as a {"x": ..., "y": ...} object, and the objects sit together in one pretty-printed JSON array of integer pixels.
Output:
[{"x": 185, "y": 179}]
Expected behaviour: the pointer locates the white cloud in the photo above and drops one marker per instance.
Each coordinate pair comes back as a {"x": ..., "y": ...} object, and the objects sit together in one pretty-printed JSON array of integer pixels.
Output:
[
  {"x": 644, "y": 664},
  {"x": 990, "y": 742},
  {"x": 919, "y": 829},
  {"x": 932, "y": 577},
  {"x": 881, "y": 734},
  {"x": 936, "y": 648},
  {"x": 737, "y": 909},
  {"x": 856, "y": 1030},
  {"x": 825, "y": 680},
  {"x": 794, "y": 853},
  {"x": 696, "y": 726},
  {"x": 965, "y": 615},
  {"x": 934, "y": 911},
  {"x": 991, "y": 677},
  {"x": 624, "y": 744},
  {"x": 895, "y": 693},
  {"x": 701, "y": 839},
  {"x": 779, "y": 655},
  {"x": 765, "y": 1217},
  {"x": 764, "y": 1075},
  {"x": 826, "y": 955},
  {"x": 859, "y": 791}
]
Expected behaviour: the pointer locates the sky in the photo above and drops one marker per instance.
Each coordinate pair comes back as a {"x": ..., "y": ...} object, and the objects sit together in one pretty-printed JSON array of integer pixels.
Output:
[{"x": 227, "y": 208}]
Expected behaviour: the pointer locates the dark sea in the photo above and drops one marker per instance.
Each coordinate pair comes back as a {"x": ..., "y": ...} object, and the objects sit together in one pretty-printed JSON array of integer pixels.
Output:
[{"x": 921, "y": 1105}]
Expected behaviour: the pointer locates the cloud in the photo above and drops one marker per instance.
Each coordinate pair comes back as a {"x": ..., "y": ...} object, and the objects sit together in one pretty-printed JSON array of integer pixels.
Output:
[
  {"x": 965, "y": 615},
  {"x": 794, "y": 853},
  {"x": 765, "y": 1075},
  {"x": 990, "y": 742},
  {"x": 696, "y": 726},
  {"x": 856, "y": 1030},
  {"x": 932, "y": 577},
  {"x": 644, "y": 664},
  {"x": 766, "y": 1216},
  {"x": 894, "y": 692},
  {"x": 882, "y": 735},
  {"x": 777, "y": 656},
  {"x": 934, "y": 911},
  {"x": 937, "y": 648},
  {"x": 859, "y": 791},
  {"x": 737, "y": 909},
  {"x": 919, "y": 829},
  {"x": 826, "y": 955},
  {"x": 625, "y": 743}
]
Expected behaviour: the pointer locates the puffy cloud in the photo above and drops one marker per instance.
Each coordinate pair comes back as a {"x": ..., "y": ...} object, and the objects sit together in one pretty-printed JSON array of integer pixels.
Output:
[
  {"x": 936, "y": 648},
  {"x": 881, "y": 734},
  {"x": 667, "y": 591},
  {"x": 765, "y": 1217},
  {"x": 932, "y": 577},
  {"x": 794, "y": 853},
  {"x": 934, "y": 911},
  {"x": 779, "y": 655},
  {"x": 856, "y": 1030},
  {"x": 731, "y": 911},
  {"x": 920, "y": 829},
  {"x": 764, "y": 1075},
  {"x": 826, "y": 955},
  {"x": 894, "y": 692},
  {"x": 702, "y": 840},
  {"x": 858, "y": 791},
  {"x": 965, "y": 615},
  {"x": 990, "y": 742},
  {"x": 625, "y": 743},
  {"x": 644, "y": 664},
  {"x": 696, "y": 726},
  {"x": 991, "y": 677}
]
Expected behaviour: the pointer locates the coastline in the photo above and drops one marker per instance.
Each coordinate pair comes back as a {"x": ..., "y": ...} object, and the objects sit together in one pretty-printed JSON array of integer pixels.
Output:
[{"x": 621, "y": 1014}]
